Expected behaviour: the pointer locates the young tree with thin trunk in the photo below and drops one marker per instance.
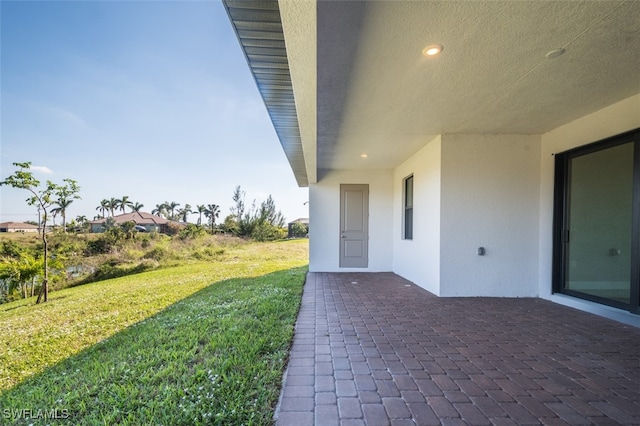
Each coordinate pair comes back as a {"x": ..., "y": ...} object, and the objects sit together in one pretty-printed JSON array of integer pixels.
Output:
[{"x": 43, "y": 198}]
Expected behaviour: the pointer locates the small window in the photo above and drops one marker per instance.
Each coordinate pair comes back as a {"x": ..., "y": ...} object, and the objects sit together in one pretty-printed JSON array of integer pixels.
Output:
[{"x": 408, "y": 208}]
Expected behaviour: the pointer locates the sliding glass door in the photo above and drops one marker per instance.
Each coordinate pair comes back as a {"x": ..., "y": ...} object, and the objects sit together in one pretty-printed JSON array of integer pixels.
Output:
[{"x": 596, "y": 228}]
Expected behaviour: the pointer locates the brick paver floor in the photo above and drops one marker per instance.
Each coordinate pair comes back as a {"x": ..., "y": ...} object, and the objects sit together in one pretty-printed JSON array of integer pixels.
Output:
[{"x": 374, "y": 349}]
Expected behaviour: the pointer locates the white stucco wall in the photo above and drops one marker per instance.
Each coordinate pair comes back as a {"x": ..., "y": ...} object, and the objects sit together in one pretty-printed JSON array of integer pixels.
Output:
[
  {"x": 610, "y": 121},
  {"x": 418, "y": 260},
  {"x": 324, "y": 220},
  {"x": 490, "y": 198}
]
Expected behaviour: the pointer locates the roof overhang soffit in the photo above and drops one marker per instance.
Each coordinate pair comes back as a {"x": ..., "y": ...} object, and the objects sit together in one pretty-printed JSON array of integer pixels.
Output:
[{"x": 258, "y": 26}]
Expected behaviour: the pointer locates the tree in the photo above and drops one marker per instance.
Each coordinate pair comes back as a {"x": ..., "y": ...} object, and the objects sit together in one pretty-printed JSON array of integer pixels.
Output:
[
  {"x": 184, "y": 212},
  {"x": 54, "y": 212},
  {"x": 129, "y": 230},
  {"x": 238, "y": 199},
  {"x": 269, "y": 214},
  {"x": 103, "y": 207},
  {"x": 83, "y": 222},
  {"x": 112, "y": 205},
  {"x": 63, "y": 203},
  {"x": 161, "y": 209},
  {"x": 212, "y": 212},
  {"x": 136, "y": 207},
  {"x": 263, "y": 223},
  {"x": 123, "y": 203},
  {"x": 171, "y": 208},
  {"x": 230, "y": 224},
  {"x": 299, "y": 229},
  {"x": 66, "y": 194},
  {"x": 43, "y": 198},
  {"x": 200, "y": 208},
  {"x": 19, "y": 272}
]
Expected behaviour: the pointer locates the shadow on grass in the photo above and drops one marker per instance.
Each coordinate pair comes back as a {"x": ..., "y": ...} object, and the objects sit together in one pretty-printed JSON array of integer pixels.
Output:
[{"x": 215, "y": 357}]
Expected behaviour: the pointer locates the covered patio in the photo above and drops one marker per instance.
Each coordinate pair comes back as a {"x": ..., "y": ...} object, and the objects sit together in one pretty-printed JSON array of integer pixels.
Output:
[{"x": 375, "y": 349}]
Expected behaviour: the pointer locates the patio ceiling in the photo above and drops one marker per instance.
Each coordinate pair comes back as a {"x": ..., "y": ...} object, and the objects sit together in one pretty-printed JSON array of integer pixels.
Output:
[{"x": 363, "y": 86}]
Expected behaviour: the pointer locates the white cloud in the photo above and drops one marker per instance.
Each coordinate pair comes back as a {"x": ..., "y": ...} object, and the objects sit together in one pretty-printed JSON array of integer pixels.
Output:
[{"x": 42, "y": 169}]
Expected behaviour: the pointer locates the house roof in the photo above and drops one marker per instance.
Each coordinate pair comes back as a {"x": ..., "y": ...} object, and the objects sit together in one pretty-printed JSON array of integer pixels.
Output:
[
  {"x": 17, "y": 225},
  {"x": 304, "y": 220},
  {"x": 361, "y": 84},
  {"x": 139, "y": 218}
]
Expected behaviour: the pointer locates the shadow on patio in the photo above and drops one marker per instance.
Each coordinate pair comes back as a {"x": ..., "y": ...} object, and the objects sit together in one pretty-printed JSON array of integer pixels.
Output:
[{"x": 375, "y": 349}]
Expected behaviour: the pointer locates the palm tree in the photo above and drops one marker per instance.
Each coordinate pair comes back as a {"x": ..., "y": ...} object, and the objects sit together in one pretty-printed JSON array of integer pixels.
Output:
[
  {"x": 113, "y": 204},
  {"x": 54, "y": 212},
  {"x": 136, "y": 207},
  {"x": 18, "y": 272},
  {"x": 104, "y": 205},
  {"x": 63, "y": 204},
  {"x": 123, "y": 203},
  {"x": 184, "y": 212},
  {"x": 171, "y": 207},
  {"x": 201, "y": 208},
  {"x": 161, "y": 209},
  {"x": 212, "y": 212},
  {"x": 82, "y": 222}
]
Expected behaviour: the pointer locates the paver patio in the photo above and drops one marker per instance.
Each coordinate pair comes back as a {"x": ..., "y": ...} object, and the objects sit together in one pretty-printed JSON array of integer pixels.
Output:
[{"x": 374, "y": 349}]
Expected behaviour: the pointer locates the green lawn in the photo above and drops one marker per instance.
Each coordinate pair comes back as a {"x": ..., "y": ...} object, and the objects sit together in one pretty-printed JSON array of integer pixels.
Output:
[{"x": 204, "y": 343}]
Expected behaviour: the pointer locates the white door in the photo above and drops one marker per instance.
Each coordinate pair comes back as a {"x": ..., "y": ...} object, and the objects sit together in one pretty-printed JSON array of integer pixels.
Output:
[{"x": 354, "y": 226}]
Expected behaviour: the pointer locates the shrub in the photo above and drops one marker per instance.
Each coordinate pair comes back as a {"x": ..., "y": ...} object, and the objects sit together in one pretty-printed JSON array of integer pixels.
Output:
[
  {"x": 174, "y": 228},
  {"x": 157, "y": 253},
  {"x": 266, "y": 232},
  {"x": 134, "y": 254},
  {"x": 205, "y": 253},
  {"x": 100, "y": 245},
  {"x": 299, "y": 229},
  {"x": 191, "y": 231}
]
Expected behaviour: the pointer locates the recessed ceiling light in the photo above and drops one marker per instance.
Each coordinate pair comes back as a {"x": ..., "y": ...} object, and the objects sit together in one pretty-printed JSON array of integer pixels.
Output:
[
  {"x": 364, "y": 155},
  {"x": 555, "y": 53},
  {"x": 432, "y": 50}
]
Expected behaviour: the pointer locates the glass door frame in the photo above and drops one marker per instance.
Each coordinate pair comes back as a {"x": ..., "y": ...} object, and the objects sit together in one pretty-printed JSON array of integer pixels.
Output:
[{"x": 561, "y": 219}]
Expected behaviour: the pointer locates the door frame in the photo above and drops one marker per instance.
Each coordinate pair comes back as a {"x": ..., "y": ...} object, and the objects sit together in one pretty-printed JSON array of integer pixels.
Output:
[
  {"x": 560, "y": 219},
  {"x": 344, "y": 234}
]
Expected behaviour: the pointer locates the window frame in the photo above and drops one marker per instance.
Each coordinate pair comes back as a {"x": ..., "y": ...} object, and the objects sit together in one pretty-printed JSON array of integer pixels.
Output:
[{"x": 407, "y": 207}]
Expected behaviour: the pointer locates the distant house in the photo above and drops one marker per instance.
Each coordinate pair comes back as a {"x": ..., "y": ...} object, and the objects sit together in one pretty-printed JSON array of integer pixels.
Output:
[
  {"x": 17, "y": 227},
  {"x": 149, "y": 222},
  {"x": 291, "y": 231}
]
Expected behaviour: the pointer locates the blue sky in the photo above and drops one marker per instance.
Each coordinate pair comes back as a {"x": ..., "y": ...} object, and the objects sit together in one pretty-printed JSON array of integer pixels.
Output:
[{"x": 149, "y": 99}]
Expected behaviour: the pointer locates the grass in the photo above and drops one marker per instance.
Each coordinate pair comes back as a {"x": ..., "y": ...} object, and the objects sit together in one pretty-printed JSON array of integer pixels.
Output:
[{"x": 203, "y": 343}]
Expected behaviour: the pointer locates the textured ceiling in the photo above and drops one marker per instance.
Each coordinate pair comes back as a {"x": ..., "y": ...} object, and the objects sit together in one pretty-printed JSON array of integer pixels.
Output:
[
  {"x": 377, "y": 93},
  {"x": 366, "y": 88}
]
